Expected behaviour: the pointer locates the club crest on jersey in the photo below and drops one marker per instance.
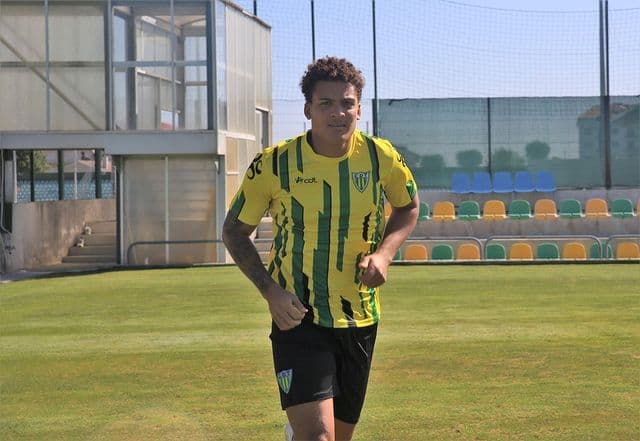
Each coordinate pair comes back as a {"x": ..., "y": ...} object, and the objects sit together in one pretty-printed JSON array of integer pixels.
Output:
[
  {"x": 284, "y": 380},
  {"x": 360, "y": 180}
]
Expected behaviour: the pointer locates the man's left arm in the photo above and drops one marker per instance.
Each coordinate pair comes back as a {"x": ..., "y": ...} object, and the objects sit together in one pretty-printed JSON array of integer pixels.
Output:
[{"x": 399, "y": 226}]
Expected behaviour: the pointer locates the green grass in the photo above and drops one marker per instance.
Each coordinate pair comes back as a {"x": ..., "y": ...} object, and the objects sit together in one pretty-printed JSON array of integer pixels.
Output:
[{"x": 548, "y": 352}]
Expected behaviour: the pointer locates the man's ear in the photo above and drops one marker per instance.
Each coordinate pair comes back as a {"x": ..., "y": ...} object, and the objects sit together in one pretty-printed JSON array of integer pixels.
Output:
[{"x": 307, "y": 113}]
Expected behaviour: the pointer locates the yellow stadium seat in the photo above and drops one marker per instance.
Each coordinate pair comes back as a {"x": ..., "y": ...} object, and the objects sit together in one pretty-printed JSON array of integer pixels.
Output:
[
  {"x": 443, "y": 211},
  {"x": 627, "y": 250},
  {"x": 545, "y": 209},
  {"x": 494, "y": 209},
  {"x": 596, "y": 207},
  {"x": 415, "y": 251},
  {"x": 521, "y": 251},
  {"x": 468, "y": 251},
  {"x": 574, "y": 251}
]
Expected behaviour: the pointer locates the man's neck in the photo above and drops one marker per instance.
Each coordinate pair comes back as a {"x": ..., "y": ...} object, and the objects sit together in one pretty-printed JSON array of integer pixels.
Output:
[{"x": 328, "y": 150}]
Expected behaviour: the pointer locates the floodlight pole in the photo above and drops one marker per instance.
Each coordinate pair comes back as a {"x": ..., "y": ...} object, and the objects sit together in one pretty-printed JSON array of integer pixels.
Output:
[
  {"x": 374, "y": 109},
  {"x": 605, "y": 110},
  {"x": 313, "y": 33}
]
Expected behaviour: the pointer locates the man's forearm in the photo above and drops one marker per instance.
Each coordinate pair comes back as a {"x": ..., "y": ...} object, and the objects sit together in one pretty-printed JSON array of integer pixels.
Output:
[
  {"x": 400, "y": 225},
  {"x": 246, "y": 256}
]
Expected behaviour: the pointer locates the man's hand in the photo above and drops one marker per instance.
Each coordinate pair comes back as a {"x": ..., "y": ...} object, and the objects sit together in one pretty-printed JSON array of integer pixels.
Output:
[
  {"x": 374, "y": 269},
  {"x": 287, "y": 311}
]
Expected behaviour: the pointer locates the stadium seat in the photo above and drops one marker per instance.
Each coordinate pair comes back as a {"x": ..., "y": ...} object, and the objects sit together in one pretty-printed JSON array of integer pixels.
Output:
[
  {"x": 460, "y": 183},
  {"x": 596, "y": 207},
  {"x": 469, "y": 210},
  {"x": 520, "y": 251},
  {"x": 595, "y": 252},
  {"x": 495, "y": 251},
  {"x": 545, "y": 209},
  {"x": 468, "y": 251},
  {"x": 621, "y": 208},
  {"x": 574, "y": 251},
  {"x": 545, "y": 182},
  {"x": 415, "y": 251},
  {"x": 387, "y": 209},
  {"x": 424, "y": 212},
  {"x": 547, "y": 251},
  {"x": 627, "y": 250},
  {"x": 398, "y": 255},
  {"x": 444, "y": 211},
  {"x": 481, "y": 182},
  {"x": 442, "y": 251},
  {"x": 570, "y": 209},
  {"x": 519, "y": 209},
  {"x": 494, "y": 209},
  {"x": 502, "y": 182},
  {"x": 523, "y": 182}
]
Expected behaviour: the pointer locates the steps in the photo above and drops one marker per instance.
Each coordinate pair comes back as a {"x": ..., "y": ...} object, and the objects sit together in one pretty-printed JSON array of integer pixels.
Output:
[
  {"x": 264, "y": 238},
  {"x": 99, "y": 246}
]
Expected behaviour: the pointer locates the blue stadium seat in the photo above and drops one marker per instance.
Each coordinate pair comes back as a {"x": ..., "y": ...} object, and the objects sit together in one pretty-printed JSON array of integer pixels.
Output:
[
  {"x": 481, "y": 182},
  {"x": 460, "y": 183},
  {"x": 502, "y": 182},
  {"x": 523, "y": 182},
  {"x": 545, "y": 181}
]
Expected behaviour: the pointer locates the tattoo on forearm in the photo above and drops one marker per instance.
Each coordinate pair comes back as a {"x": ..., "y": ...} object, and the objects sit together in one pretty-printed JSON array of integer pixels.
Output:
[{"x": 245, "y": 255}]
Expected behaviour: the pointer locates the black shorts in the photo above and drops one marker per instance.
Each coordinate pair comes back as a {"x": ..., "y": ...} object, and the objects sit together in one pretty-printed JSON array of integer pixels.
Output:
[{"x": 313, "y": 363}]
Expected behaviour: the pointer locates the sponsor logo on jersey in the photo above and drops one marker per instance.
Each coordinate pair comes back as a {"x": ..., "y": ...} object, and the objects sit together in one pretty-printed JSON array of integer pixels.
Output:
[{"x": 302, "y": 180}]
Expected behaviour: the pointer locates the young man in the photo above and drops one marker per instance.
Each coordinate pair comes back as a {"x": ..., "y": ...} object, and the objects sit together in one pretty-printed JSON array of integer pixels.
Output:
[{"x": 331, "y": 251}]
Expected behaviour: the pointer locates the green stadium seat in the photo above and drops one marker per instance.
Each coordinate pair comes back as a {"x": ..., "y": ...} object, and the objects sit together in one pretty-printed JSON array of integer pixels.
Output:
[
  {"x": 621, "y": 208},
  {"x": 442, "y": 252},
  {"x": 495, "y": 251},
  {"x": 595, "y": 252},
  {"x": 570, "y": 209},
  {"x": 547, "y": 251},
  {"x": 469, "y": 210},
  {"x": 519, "y": 209},
  {"x": 424, "y": 212},
  {"x": 398, "y": 255}
]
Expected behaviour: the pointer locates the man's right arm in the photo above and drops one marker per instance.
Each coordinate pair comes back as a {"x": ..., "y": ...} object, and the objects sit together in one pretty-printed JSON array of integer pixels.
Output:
[{"x": 286, "y": 309}]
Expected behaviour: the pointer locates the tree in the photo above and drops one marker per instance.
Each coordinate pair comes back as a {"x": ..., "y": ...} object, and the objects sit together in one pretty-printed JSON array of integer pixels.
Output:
[
  {"x": 507, "y": 160},
  {"x": 537, "y": 150},
  {"x": 24, "y": 161},
  {"x": 469, "y": 158}
]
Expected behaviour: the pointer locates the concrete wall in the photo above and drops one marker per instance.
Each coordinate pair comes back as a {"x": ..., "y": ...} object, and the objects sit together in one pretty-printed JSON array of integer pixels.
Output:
[{"x": 44, "y": 231}]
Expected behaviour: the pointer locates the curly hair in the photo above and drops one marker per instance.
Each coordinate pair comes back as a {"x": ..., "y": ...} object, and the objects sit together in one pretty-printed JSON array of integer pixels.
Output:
[{"x": 331, "y": 69}]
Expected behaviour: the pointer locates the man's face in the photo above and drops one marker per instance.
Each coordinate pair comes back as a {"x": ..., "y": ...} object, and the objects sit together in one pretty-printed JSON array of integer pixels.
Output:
[{"x": 334, "y": 111}]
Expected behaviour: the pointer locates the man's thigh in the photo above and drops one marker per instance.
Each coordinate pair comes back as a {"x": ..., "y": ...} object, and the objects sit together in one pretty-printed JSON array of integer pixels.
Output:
[
  {"x": 353, "y": 365},
  {"x": 304, "y": 363}
]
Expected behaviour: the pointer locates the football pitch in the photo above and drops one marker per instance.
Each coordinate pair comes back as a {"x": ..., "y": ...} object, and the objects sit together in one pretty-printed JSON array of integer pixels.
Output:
[{"x": 531, "y": 352}]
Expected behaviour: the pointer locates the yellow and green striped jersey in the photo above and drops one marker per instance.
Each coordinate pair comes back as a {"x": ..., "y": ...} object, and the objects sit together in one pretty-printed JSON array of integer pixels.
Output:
[{"x": 327, "y": 214}]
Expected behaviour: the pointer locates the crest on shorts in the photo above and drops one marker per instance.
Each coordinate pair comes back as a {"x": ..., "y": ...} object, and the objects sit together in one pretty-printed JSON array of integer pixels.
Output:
[
  {"x": 284, "y": 380},
  {"x": 360, "y": 180}
]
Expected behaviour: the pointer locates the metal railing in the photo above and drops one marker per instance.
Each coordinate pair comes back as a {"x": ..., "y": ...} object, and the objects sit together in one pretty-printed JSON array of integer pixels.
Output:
[{"x": 165, "y": 242}]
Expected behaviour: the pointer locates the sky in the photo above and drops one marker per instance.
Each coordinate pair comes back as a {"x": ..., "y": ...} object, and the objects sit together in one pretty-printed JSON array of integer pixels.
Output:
[{"x": 453, "y": 48}]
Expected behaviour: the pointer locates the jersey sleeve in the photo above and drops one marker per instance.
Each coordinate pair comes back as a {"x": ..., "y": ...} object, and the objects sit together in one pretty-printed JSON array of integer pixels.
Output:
[
  {"x": 254, "y": 195},
  {"x": 399, "y": 186}
]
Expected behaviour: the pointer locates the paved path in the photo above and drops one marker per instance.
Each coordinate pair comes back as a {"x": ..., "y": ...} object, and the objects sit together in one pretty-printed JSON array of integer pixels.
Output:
[{"x": 54, "y": 270}]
